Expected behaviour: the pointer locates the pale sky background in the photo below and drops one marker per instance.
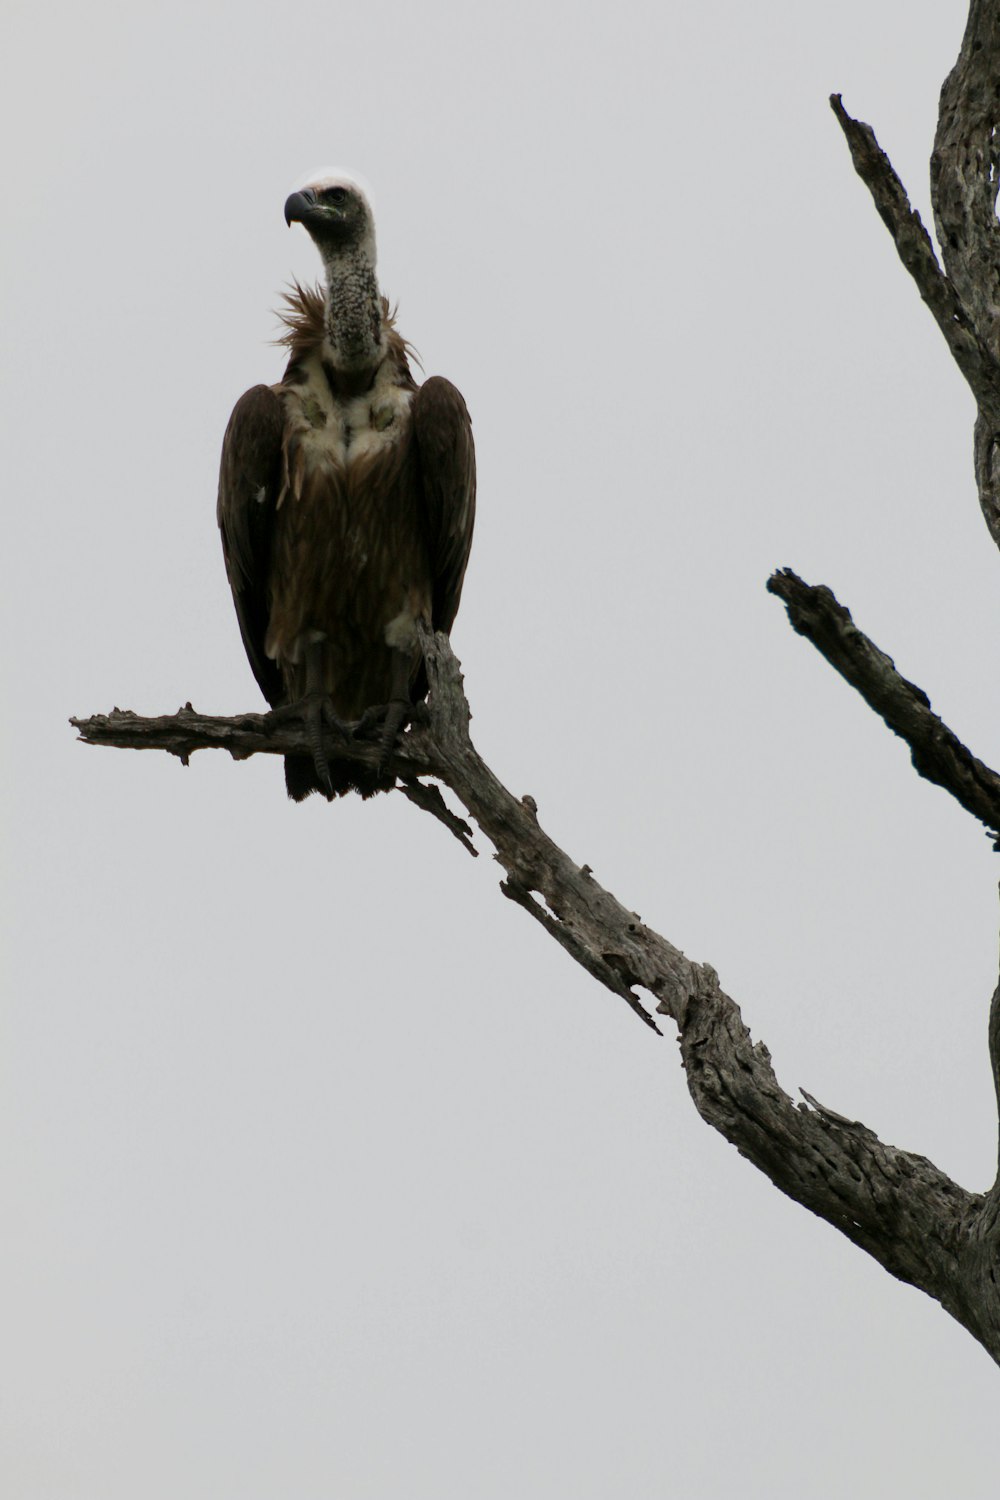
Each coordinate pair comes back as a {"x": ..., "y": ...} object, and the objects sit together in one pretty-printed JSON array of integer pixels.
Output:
[{"x": 326, "y": 1173}]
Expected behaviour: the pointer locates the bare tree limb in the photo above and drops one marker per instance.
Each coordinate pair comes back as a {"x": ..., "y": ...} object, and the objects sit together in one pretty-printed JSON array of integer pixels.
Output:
[
  {"x": 428, "y": 797},
  {"x": 186, "y": 731},
  {"x": 964, "y": 167},
  {"x": 898, "y": 1207},
  {"x": 937, "y": 753},
  {"x": 913, "y": 243},
  {"x": 965, "y": 300},
  {"x": 964, "y": 176}
]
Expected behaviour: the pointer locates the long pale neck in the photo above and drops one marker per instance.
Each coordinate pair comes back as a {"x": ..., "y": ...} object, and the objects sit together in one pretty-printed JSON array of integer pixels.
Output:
[{"x": 354, "y": 337}]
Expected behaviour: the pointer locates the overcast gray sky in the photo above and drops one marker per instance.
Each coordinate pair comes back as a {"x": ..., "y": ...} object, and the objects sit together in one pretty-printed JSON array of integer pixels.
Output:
[{"x": 326, "y": 1174}]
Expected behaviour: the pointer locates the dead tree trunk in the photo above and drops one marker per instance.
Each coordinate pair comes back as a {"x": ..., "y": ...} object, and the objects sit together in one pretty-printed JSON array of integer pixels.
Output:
[{"x": 900, "y": 1208}]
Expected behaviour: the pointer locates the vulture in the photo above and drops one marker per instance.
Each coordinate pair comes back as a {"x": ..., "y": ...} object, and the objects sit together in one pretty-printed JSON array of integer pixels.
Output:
[{"x": 346, "y": 506}]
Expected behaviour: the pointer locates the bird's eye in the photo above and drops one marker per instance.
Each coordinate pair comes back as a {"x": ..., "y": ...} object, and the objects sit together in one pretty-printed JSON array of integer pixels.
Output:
[{"x": 335, "y": 194}]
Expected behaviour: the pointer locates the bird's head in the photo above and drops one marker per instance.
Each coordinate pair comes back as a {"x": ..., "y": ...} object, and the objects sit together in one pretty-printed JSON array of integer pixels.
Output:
[{"x": 334, "y": 208}]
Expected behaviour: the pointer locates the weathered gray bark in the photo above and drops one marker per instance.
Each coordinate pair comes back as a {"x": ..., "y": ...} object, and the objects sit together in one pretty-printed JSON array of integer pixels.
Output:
[
  {"x": 900, "y": 1208},
  {"x": 964, "y": 193}
]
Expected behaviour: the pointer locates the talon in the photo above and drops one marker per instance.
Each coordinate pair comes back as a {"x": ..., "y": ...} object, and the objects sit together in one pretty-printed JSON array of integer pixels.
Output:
[
  {"x": 331, "y": 720},
  {"x": 397, "y": 716},
  {"x": 316, "y": 713},
  {"x": 367, "y": 722},
  {"x": 393, "y": 717},
  {"x": 315, "y": 719}
]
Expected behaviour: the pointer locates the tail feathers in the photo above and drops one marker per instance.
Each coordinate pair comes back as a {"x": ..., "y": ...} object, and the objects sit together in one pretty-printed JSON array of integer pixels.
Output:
[{"x": 301, "y": 779}]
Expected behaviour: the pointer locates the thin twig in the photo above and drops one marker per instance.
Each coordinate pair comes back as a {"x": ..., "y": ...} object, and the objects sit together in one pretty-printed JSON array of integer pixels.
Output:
[{"x": 428, "y": 797}]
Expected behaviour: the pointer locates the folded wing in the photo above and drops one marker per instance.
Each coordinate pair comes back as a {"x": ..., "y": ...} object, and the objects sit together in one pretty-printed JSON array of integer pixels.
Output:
[
  {"x": 443, "y": 432},
  {"x": 249, "y": 485}
]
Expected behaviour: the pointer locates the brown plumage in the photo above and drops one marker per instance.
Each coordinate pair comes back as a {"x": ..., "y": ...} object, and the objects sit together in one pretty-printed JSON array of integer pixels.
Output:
[{"x": 346, "y": 501}]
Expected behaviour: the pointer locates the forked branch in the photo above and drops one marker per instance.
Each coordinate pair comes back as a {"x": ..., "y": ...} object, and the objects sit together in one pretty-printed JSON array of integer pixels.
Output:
[
  {"x": 971, "y": 353},
  {"x": 965, "y": 296},
  {"x": 897, "y": 1206}
]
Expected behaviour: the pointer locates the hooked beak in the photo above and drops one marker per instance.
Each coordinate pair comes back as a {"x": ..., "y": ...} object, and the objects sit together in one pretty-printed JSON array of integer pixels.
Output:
[{"x": 300, "y": 207}]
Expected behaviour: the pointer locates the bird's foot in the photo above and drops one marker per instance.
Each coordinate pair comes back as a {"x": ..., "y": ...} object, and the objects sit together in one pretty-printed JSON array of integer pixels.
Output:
[
  {"x": 317, "y": 713},
  {"x": 392, "y": 717}
]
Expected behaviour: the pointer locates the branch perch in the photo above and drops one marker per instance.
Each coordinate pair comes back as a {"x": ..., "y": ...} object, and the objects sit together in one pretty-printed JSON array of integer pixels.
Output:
[
  {"x": 187, "y": 730},
  {"x": 898, "y": 1207}
]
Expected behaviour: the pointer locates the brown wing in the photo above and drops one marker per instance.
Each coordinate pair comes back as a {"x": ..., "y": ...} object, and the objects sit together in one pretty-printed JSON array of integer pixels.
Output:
[
  {"x": 249, "y": 483},
  {"x": 443, "y": 431}
]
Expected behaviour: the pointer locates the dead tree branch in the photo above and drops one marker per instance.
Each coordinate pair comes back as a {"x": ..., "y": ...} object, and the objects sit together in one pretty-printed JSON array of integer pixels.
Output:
[
  {"x": 937, "y": 753},
  {"x": 187, "y": 730},
  {"x": 965, "y": 296},
  {"x": 898, "y": 1207},
  {"x": 913, "y": 243},
  {"x": 964, "y": 168}
]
